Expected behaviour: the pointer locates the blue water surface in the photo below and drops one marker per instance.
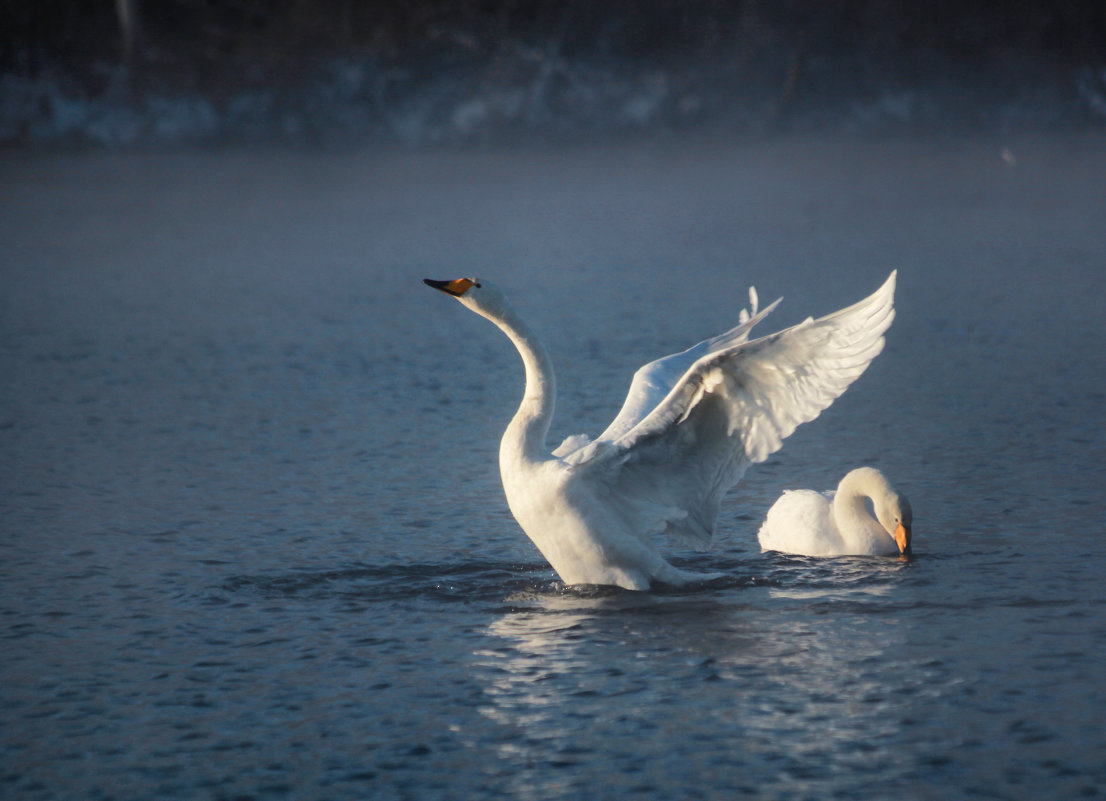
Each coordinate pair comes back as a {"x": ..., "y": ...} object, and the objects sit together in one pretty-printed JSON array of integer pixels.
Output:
[{"x": 254, "y": 543}]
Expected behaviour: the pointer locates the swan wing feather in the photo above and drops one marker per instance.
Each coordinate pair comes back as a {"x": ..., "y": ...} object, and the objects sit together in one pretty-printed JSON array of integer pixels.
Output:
[
  {"x": 653, "y": 382},
  {"x": 732, "y": 407}
]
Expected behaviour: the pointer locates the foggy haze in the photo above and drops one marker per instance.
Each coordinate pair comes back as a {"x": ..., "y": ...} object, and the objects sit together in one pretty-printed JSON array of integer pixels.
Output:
[{"x": 342, "y": 72}]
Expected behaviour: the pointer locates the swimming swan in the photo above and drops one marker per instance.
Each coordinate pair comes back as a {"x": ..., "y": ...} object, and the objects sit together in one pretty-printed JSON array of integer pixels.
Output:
[
  {"x": 691, "y": 425},
  {"x": 839, "y": 524}
]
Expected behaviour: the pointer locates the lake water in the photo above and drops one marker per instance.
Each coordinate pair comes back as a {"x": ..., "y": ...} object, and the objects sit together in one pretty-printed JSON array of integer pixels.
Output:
[{"x": 254, "y": 542}]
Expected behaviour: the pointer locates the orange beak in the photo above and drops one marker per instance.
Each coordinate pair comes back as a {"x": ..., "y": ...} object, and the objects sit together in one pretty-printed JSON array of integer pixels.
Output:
[
  {"x": 902, "y": 538},
  {"x": 455, "y": 288}
]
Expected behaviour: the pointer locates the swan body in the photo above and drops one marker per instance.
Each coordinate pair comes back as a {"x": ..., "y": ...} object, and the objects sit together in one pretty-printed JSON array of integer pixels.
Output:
[
  {"x": 690, "y": 426},
  {"x": 838, "y": 523}
]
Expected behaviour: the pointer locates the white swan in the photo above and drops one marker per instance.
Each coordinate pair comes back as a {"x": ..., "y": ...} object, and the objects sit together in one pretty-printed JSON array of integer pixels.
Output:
[
  {"x": 839, "y": 523},
  {"x": 690, "y": 426}
]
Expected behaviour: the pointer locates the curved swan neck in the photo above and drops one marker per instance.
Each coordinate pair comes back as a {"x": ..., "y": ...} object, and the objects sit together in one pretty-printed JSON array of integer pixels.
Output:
[
  {"x": 525, "y": 437},
  {"x": 849, "y": 507}
]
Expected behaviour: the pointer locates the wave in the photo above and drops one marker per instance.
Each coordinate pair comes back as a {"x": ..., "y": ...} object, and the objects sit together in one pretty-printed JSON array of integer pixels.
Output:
[{"x": 513, "y": 584}]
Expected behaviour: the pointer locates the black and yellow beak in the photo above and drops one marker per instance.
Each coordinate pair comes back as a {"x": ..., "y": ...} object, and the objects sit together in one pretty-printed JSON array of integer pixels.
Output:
[
  {"x": 456, "y": 288},
  {"x": 902, "y": 538}
]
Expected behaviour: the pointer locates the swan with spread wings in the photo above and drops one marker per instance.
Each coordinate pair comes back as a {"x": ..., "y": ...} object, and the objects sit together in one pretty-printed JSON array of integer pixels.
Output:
[{"x": 691, "y": 425}]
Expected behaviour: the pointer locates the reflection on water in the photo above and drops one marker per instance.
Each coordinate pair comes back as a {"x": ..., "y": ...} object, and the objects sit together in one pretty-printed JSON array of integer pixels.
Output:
[{"x": 806, "y": 695}]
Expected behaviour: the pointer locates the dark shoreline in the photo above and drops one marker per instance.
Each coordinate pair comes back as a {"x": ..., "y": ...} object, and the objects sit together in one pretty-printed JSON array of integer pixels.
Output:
[{"x": 338, "y": 72}]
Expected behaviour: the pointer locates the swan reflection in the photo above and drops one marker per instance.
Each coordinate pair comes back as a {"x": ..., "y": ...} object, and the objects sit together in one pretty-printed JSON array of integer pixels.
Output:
[{"x": 792, "y": 677}]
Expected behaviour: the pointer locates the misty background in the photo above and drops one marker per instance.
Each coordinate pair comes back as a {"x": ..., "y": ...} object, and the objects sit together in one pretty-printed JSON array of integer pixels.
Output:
[{"x": 417, "y": 73}]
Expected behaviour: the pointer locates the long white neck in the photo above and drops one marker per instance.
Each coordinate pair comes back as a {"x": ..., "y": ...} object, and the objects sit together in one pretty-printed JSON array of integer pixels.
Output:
[
  {"x": 524, "y": 440},
  {"x": 850, "y": 511}
]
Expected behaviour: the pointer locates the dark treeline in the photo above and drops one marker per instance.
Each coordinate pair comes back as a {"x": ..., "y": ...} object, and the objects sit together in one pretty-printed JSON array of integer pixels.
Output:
[{"x": 569, "y": 63}]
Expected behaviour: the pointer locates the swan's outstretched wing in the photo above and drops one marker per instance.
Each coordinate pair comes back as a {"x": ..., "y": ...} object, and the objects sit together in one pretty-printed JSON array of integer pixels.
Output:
[
  {"x": 732, "y": 407},
  {"x": 653, "y": 381}
]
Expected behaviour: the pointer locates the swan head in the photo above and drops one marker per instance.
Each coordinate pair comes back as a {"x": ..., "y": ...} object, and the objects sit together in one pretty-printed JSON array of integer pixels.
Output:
[
  {"x": 894, "y": 514},
  {"x": 482, "y": 297}
]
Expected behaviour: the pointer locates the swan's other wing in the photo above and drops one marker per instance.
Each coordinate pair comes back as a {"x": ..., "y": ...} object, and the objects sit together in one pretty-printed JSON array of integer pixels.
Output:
[
  {"x": 731, "y": 408},
  {"x": 653, "y": 382}
]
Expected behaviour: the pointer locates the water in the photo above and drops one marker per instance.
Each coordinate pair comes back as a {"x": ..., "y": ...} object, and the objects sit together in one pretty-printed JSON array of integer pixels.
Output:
[{"x": 254, "y": 544}]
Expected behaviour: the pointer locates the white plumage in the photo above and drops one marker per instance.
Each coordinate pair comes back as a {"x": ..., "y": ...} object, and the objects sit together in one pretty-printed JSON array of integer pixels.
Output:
[
  {"x": 839, "y": 523},
  {"x": 691, "y": 425}
]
